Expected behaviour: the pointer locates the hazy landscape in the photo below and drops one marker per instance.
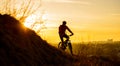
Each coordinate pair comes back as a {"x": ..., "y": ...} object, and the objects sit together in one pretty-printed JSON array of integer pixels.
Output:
[
  {"x": 101, "y": 51},
  {"x": 98, "y": 49}
]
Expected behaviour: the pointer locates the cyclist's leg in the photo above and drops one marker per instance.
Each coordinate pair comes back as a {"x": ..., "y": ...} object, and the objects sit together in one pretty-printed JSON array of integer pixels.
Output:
[
  {"x": 61, "y": 38},
  {"x": 67, "y": 37},
  {"x": 62, "y": 45}
]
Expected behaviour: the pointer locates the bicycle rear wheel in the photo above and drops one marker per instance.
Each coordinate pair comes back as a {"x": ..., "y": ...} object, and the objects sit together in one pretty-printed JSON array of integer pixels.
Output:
[{"x": 61, "y": 46}]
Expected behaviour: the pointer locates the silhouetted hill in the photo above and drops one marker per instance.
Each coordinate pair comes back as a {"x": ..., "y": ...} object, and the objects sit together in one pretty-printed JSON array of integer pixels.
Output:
[{"x": 20, "y": 46}]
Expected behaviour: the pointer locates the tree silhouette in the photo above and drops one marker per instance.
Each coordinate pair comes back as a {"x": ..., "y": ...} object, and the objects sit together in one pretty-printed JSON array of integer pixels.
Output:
[
  {"x": 19, "y": 9},
  {"x": 22, "y": 9}
]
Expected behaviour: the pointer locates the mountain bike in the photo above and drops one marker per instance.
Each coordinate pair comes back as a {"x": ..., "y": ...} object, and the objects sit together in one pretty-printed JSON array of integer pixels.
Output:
[{"x": 66, "y": 43}]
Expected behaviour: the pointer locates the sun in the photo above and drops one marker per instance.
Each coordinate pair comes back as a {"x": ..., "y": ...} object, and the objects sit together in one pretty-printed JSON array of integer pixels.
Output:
[
  {"x": 29, "y": 21},
  {"x": 44, "y": 17},
  {"x": 35, "y": 22}
]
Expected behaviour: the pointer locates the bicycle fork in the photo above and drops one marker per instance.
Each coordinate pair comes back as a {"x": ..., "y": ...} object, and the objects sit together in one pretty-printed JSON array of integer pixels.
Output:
[{"x": 70, "y": 47}]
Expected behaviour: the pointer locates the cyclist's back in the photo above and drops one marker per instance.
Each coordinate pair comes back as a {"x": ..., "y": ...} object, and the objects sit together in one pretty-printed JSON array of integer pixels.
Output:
[{"x": 62, "y": 29}]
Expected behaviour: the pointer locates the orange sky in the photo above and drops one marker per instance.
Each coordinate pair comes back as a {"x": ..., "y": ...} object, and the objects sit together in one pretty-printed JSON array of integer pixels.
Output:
[{"x": 90, "y": 20}]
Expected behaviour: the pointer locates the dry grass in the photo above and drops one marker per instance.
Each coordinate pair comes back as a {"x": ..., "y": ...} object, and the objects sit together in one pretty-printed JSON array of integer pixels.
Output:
[{"x": 20, "y": 46}]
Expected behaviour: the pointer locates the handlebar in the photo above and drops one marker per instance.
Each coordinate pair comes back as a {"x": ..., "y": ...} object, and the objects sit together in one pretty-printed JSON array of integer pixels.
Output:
[{"x": 71, "y": 34}]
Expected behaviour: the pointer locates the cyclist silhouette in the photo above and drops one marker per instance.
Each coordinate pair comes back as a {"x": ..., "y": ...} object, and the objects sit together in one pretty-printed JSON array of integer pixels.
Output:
[{"x": 62, "y": 30}]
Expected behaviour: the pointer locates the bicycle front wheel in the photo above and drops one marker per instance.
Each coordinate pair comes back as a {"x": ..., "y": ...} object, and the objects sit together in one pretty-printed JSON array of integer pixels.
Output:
[
  {"x": 70, "y": 48},
  {"x": 59, "y": 44}
]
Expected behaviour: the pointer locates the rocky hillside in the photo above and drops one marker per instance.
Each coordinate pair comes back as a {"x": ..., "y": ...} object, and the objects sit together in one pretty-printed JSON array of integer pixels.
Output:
[{"x": 20, "y": 46}]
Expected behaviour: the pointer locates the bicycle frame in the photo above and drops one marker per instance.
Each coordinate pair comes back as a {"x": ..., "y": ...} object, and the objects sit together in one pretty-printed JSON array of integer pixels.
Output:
[{"x": 65, "y": 44}]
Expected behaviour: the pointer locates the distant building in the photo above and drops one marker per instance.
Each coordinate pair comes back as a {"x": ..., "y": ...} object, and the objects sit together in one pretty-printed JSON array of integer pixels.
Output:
[{"x": 110, "y": 40}]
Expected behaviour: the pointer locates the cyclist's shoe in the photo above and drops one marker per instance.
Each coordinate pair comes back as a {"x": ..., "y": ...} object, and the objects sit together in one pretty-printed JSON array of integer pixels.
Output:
[
  {"x": 65, "y": 45},
  {"x": 65, "y": 42},
  {"x": 63, "y": 48}
]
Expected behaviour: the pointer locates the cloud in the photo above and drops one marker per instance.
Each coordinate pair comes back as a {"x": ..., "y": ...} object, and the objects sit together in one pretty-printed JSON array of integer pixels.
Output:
[
  {"x": 116, "y": 14},
  {"x": 70, "y": 1},
  {"x": 78, "y": 1}
]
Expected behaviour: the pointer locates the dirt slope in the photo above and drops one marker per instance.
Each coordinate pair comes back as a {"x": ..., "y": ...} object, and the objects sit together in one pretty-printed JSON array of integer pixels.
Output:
[{"x": 20, "y": 46}]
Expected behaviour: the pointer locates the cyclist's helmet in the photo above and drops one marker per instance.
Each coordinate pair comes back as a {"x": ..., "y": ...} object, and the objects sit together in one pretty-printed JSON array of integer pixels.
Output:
[{"x": 64, "y": 22}]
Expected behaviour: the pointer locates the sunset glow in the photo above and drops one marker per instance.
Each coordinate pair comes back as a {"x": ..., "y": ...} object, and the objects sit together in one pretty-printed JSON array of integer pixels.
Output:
[
  {"x": 35, "y": 22},
  {"x": 30, "y": 20},
  {"x": 90, "y": 20}
]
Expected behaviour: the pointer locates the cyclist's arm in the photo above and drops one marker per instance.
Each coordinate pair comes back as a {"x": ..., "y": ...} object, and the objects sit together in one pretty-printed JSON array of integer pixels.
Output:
[{"x": 69, "y": 30}]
